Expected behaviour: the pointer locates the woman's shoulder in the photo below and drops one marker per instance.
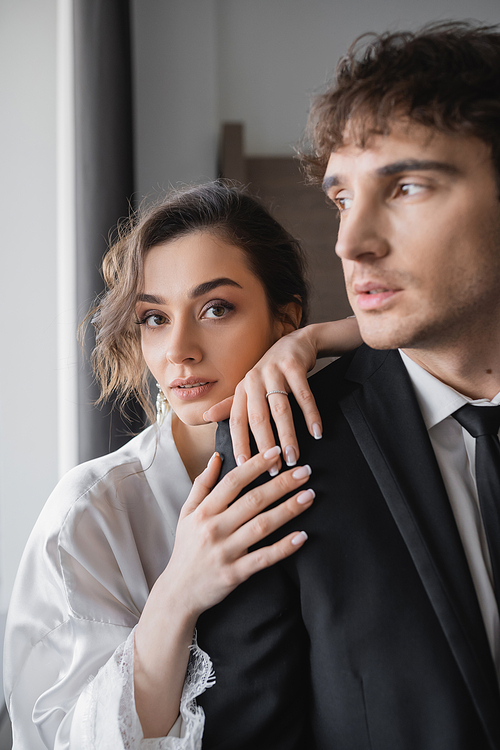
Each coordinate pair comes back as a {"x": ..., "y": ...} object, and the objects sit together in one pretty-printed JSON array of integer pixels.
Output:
[
  {"x": 137, "y": 452},
  {"x": 104, "y": 535},
  {"x": 148, "y": 466},
  {"x": 81, "y": 561},
  {"x": 142, "y": 486},
  {"x": 102, "y": 484}
]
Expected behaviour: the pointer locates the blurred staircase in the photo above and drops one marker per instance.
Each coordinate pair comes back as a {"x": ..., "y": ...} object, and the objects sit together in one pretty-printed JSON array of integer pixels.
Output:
[{"x": 302, "y": 209}]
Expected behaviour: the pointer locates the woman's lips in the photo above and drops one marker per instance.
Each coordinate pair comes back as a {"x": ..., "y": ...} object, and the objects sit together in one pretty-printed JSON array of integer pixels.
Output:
[{"x": 192, "y": 391}]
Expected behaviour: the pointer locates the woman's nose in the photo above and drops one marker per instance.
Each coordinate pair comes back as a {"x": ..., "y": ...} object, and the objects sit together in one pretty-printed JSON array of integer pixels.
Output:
[{"x": 183, "y": 345}]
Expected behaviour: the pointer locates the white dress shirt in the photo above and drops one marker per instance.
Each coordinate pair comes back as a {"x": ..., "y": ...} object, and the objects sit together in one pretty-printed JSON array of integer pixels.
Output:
[
  {"x": 455, "y": 451},
  {"x": 101, "y": 541}
]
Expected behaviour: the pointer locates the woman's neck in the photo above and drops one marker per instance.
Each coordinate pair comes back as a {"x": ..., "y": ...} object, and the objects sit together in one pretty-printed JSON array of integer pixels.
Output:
[{"x": 195, "y": 444}]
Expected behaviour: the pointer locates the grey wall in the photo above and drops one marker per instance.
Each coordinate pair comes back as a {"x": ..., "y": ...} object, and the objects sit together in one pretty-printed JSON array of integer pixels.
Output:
[
  {"x": 202, "y": 62},
  {"x": 28, "y": 238},
  {"x": 176, "y": 92}
]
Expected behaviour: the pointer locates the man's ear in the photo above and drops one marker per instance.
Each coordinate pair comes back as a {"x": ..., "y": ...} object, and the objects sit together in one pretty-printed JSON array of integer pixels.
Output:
[{"x": 291, "y": 315}]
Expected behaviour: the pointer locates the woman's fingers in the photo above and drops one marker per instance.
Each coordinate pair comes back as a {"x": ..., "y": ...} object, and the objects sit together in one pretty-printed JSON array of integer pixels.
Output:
[
  {"x": 264, "y": 557},
  {"x": 299, "y": 386},
  {"x": 219, "y": 412},
  {"x": 251, "y": 410},
  {"x": 250, "y": 505},
  {"x": 236, "y": 480},
  {"x": 238, "y": 425},
  {"x": 203, "y": 484},
  {"x": 267, "y": 522},
  {"x": 281, "y": 413}
]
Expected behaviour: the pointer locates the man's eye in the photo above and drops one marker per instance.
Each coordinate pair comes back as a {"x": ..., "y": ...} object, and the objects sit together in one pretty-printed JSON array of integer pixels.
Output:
[
  {"x": 411, "y": 188},
  {"x": 343, "y": 202}
]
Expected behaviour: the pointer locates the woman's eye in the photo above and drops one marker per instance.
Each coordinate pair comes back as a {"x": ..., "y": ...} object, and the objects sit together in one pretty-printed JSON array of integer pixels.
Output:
[
  {"x": 216, "y": 311},
  {"x": 153, "y": 321}
]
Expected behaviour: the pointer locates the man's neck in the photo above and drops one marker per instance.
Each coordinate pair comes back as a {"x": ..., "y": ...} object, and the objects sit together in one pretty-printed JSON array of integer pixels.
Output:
[{"x": 472, "y": 369}]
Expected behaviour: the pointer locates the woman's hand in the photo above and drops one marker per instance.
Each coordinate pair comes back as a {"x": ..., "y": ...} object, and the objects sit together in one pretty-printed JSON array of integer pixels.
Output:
[
  {"x": 209, "y": 560},
  {"x": 283, "y": 368},
  {"x": 210, "y": 556}
]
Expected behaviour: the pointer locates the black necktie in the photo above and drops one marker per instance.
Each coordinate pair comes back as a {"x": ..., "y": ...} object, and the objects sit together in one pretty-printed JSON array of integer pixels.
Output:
[{"x": 483, "y": 423}]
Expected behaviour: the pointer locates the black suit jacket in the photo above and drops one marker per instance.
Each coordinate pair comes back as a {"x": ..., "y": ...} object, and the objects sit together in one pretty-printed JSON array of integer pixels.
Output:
[{"x": 370, "y": 637}]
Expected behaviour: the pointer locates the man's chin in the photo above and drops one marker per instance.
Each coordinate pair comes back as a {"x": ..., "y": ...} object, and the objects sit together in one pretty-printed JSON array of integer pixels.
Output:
[{"x": 383, "y": 336}]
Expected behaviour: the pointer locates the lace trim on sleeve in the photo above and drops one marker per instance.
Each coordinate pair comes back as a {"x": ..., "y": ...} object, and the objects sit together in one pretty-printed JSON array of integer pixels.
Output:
[
  {"x": 200, "y": 676},
  {"x": 112, "y": 692}
]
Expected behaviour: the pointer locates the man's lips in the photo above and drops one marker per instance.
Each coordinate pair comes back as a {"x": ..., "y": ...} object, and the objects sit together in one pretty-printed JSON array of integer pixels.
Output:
[{"x": 373, "y": 295}]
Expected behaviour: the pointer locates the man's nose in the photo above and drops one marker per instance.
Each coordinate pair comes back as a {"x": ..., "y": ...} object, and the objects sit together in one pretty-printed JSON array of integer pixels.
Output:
[
  {"x": 183, "y": 344},
  {"x": 362, "y": 234}
]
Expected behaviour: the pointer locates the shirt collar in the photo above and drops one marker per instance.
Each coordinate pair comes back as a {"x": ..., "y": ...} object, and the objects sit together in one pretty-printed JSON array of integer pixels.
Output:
[{"x": 436, "y": 399}]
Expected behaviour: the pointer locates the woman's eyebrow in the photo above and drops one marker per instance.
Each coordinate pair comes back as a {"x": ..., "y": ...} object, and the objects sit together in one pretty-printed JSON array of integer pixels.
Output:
[
  {"x": 208, "y": 286},
  {"x": 153, "y": 299},
  {"x": 198, "y": 291}
]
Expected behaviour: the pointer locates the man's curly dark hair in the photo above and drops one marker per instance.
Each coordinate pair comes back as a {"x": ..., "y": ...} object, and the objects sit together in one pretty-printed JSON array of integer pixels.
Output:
[{"x": 445, "y": 76}]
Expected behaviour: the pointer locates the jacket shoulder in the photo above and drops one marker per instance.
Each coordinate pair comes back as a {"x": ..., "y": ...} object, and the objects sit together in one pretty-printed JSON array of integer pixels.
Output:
[{"x": 352, "y": 369}]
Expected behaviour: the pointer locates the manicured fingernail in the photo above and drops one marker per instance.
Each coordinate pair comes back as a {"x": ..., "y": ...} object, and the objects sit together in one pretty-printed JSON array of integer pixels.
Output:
[
  {"x": 301, "y": 537},
  {"x": 205, "y": 418},
  {"x": 302, "y": 472},
  {"x": 306, "y": 497},
  {"x": 273, "y": 452},
  {"x": 317, "y": 431},
  {"x": 290, "y": 455},
  {"x": 212, "y": 458},
  {"x": 241, "y": 460},
  {"x": 274, "y": 471}
]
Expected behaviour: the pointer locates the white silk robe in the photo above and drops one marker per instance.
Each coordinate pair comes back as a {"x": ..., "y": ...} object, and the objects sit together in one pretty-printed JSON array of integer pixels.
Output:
[{"x": 101, "y": 541}]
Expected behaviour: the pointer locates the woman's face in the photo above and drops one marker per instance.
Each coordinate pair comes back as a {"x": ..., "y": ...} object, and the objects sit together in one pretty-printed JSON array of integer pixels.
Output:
[{"x": 204, "y": 319}]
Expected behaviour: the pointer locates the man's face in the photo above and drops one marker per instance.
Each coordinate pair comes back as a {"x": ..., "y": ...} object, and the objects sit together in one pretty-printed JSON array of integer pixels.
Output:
[{"x": 419, "y": 236}]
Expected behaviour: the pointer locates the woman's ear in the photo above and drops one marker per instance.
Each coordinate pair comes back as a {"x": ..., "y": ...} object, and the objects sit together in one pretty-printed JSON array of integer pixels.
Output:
[{"x": 291, "y": 315}]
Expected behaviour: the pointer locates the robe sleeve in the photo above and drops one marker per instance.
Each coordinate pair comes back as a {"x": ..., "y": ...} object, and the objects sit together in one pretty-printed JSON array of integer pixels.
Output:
[
  {"x": 74, "y": 709},
  {"x": 79, "y": 593}
]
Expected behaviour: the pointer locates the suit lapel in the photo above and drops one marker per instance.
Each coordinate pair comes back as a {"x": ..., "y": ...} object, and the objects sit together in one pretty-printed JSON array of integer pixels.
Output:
[{"x": 387, "y": 423}]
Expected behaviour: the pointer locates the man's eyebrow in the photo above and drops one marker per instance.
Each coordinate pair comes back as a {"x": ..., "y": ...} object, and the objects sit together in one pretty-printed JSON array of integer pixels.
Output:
[
  {"x": 405, "y": 165},
  {"x": 331, "y": 181},
  {"x": 198, "y": 291},
  {"x": 413, "y": 165}
]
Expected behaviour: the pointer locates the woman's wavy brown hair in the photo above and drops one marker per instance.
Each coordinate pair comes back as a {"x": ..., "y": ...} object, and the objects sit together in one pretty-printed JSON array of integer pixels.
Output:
[
  {"x": 225, "y": 210},
  {"x": 445, "y": 76}
]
